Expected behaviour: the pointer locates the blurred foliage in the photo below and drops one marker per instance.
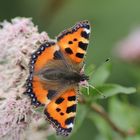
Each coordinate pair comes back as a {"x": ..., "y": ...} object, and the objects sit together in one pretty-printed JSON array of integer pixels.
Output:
[{"x": 111, "y": 21}]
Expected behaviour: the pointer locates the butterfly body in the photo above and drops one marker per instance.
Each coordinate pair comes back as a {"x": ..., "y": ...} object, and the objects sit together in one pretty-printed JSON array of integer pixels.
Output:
[
  {"x": 56, "y": 71},
  {"x": 61, "y": 74},
  {"x": 64, "y": 77}
]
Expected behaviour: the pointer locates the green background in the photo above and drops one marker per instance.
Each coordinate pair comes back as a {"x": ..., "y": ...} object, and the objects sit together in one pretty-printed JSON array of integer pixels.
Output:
[{"x": 111, "y": 21}]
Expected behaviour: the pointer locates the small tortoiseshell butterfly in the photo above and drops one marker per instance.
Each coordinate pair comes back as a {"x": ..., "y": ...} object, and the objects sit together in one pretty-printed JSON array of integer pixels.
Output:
[{"x": 56, "y": 72}]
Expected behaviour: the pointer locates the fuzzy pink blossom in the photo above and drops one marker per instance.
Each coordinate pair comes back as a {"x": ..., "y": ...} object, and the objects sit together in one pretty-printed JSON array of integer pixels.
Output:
[
  {"x": 18, "y": 39},
  {"x": 129, "y": 48},
  {"x": 14, "y": 117}
]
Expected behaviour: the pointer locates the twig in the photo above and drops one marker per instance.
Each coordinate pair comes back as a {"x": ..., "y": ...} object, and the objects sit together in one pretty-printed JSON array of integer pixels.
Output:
[{"x": 100, "y": 110}]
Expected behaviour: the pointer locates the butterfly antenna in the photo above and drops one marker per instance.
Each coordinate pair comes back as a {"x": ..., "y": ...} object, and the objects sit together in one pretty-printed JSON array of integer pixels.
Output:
[
  {"x": 97, "y": 91},
  {"x": 87, "y": 87},
  {"x": 108, "y": 59}
]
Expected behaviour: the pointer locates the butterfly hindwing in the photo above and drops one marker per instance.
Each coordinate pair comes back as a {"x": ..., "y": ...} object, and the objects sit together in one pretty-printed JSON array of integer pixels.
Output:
[
  {"x": 39, "y": 59},
  {"x": 61, "y": 112},
  {"x": 74, "y": 41}
]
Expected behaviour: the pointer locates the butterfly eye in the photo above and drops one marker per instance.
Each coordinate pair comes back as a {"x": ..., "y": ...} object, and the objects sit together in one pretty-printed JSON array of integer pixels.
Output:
[{"x": 84, "y": 77}]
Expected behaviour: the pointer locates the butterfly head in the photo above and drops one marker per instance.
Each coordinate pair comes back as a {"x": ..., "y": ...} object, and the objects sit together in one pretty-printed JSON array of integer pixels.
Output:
[
  {"x": 84, "y": 77},
  {"x": 83, "y": 80}
]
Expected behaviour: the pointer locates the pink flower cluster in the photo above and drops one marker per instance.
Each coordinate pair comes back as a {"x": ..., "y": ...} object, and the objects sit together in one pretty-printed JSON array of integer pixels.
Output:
[
  {"x": 18, "y": 39},
  {"x": 15, "y": 115},
  {"x": 129, "y": 48}
]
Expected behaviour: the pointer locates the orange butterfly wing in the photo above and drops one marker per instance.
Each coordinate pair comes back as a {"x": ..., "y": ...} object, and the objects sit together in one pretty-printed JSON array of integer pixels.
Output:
[
  {"x": 39, "y": 59},
  {"x": 61, "y": 112},
  {"x": 74, "y": 41}
]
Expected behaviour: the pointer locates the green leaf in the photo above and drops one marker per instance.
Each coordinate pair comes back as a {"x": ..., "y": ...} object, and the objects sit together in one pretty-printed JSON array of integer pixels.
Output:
[
  {"x": 89, "y": 70},
  {"x": 100, "y": 124},
  {"x": 124, "y": 115},
  {"x": 136, "y": 137},
  {"x": 80, "y": 117},
  {"x": 101, "y": 74},
  {"x": 108, "y": 90}
]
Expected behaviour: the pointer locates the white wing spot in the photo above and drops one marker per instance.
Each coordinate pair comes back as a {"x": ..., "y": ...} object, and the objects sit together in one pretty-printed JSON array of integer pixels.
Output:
[
  {"x": 87, "y": 31},
  {"x": 70, "y": 125}
]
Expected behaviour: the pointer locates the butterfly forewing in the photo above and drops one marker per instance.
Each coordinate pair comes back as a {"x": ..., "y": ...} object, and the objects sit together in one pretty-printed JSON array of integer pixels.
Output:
[{"x": 74, "y": 41}]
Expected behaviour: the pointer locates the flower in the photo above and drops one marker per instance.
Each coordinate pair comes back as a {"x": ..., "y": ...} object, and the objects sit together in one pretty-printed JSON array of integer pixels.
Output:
[
  {"x": 15, "y": 115},
  {"x": 18, "y": 39},
  {"x": 129, "y": 48}
]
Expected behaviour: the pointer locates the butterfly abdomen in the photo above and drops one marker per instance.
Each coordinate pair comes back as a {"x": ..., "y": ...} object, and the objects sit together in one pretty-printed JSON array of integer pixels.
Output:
[{"x": 66, "y": 77}]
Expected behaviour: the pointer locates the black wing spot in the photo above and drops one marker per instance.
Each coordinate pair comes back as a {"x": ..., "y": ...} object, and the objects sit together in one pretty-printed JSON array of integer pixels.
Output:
[
  {"x": 79, "y": 55},
  {"x": 69, "y": 120},
  {"x": 75, "y": 39},
  {"x": 84, "y": 34},
  {"x": 71, "y": 109},
  {"x": 57, "y": 55},
  {"x": 71, "y": 98},
  {"x": 69, "y": 50},
  {"x": 61, "y": 113},
  {"x": 70, "y": 42},
  {"x": 83, "y": 45},
  {"x": 59, "y": 100},
  {"x": 58, "y": 109},
  {"x": 69, "y": 129},
  {"x": 51, "y": 94},
  {"x": 87, "y": 26}
]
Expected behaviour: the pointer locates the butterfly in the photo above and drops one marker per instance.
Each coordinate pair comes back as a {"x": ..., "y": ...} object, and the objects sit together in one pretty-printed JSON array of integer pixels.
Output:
[{"x": 56, "y": 73}]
